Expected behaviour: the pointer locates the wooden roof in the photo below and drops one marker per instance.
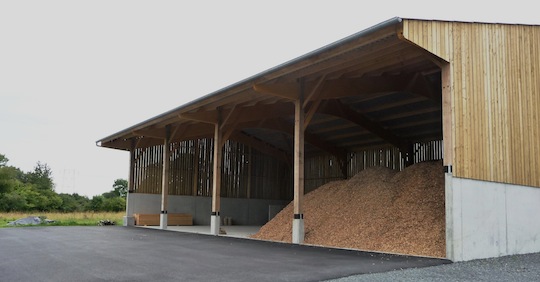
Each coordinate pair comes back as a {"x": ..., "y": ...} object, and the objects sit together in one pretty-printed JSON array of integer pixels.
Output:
[{"x": 371, "y": 89}]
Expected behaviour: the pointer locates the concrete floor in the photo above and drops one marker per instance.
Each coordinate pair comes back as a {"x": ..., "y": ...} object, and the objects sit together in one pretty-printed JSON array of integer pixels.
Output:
[{"x": 236, "y": 231}]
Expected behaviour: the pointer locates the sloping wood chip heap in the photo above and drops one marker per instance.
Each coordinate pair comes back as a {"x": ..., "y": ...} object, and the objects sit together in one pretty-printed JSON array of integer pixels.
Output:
[{"x": 378, "y": 209}]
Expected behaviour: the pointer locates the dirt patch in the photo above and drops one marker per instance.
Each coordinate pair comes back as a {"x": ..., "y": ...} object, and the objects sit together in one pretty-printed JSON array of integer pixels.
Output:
[{"x": 378, "y": 209}]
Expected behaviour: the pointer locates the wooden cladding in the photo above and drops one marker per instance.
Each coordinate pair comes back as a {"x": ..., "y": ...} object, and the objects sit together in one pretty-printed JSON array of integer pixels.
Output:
[
  {"x": 495, "y": 94},
  {"x": 246, "y": 173},
  {"x": 324, "y": 168}
]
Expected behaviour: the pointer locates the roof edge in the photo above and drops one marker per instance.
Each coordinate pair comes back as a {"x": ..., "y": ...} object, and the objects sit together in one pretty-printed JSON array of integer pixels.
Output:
[{"x": 353, "y": 37}]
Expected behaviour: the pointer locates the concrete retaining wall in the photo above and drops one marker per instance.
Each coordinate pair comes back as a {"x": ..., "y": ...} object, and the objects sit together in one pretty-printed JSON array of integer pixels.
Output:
[
  {"x": 242, "y": 211},
  {"x": 487, "y": 219}
]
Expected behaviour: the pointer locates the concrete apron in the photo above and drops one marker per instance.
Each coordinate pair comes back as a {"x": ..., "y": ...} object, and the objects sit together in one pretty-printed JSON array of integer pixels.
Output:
[{"x": 237, "y": 231}]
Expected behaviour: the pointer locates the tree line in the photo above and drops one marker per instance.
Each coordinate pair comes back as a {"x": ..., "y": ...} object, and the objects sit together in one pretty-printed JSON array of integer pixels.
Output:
[{"x": 34, "y": 191}]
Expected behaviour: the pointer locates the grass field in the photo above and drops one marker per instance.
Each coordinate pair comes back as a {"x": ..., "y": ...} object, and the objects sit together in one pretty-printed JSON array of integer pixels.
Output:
[{"x": 65, "y": 219}]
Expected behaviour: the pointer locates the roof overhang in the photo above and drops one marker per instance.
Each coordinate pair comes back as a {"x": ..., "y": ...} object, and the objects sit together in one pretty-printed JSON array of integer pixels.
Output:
[{"x": 370, "y": 89}]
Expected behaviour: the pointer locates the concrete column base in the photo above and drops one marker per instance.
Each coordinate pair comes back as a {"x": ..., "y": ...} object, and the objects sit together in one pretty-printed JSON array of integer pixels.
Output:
[
  {"x": 298, "y": 231},
  {"x": 215, "y": 224},
  {"x": 129, "y": 221},
  {"x": 163, "y": 221}
]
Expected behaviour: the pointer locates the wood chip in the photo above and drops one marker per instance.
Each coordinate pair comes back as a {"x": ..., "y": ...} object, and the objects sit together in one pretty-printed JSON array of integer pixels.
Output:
[{"x": 378, "y": 209}]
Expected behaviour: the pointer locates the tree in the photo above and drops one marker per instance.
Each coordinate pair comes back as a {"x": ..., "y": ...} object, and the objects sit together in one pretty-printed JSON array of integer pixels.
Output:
[
  {"x": 6, "y": 179},
  {"x": 41, "y": 177},
  {"x": 9, "y": 176},
  {"x": 96, "y": 204},
  {"x": 114, "y": 204},
  {"x": 12, "y": 201},
  {"x": 120, "y": 186},
  {"x": 3, "y": 160}
]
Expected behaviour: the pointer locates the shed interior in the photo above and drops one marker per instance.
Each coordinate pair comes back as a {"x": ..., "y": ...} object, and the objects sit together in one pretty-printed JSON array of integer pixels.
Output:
[{"x": 371, "y": 99}]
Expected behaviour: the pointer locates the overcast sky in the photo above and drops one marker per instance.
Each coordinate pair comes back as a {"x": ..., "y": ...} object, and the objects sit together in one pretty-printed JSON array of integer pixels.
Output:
[{"x": 73, "y": 72}]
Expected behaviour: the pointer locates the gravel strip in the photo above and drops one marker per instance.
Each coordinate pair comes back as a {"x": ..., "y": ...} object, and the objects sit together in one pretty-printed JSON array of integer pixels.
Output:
[{"x": 508, "y": 268}]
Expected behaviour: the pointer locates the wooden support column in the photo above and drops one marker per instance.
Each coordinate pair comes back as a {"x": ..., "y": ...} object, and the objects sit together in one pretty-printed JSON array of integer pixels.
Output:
[
  {"x": 448, "y": 143},
  {"x": 452, "y": 203},
  {"x": 165, "y": 178},
  {"x": 196, "y": 168},
  {"x": 128, "y": 218},
  {"x": 216, "y": 181},
  {"x": 131, "y": 182},
  {"x": 299, "y": 128}
]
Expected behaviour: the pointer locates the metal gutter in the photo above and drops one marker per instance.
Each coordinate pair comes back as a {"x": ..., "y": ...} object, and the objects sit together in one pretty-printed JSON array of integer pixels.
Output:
[{"x": 353, "y": 37}]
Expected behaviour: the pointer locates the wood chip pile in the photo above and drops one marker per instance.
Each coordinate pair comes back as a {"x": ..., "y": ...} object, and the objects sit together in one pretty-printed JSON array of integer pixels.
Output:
[{"x": 378, "y": 209}]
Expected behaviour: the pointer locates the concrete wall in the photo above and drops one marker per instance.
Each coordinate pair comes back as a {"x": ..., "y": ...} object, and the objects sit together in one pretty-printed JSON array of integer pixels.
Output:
[
  {"x": 488, "y": 219},
  {"x": 242, "y": 211}
]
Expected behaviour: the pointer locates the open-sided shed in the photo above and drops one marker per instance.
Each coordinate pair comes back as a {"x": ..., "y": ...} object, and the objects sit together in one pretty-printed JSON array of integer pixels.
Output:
[{"x": 400, "y": 92}]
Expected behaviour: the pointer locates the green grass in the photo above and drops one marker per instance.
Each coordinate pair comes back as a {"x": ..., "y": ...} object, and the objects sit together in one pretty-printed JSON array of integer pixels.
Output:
[{"x": 64, "y": 219}]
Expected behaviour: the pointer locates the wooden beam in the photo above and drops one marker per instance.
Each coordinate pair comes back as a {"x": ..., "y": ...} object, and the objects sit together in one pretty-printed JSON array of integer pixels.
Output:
[
  {"x": 192, "y": 131},
  {"x": 260, "y": 112},
  {"x": 298, "y": 217},
  {"x": 420, "y": 86},
  {"x": 227, "y": 116},
  {"x": 147, "y": 134},
  {"x": 261, "y": 146},
  {"x": 314, "y": 94},
  {"x": 336, "y": 108},
  {"x": 447, "y": 112},
  {"x": 216, "y": 178},
  {"x": 316, "y": 91},
  {"x": 132, "y": 160},
  {"x": 210, "y": 117},
  {"x": 340, "y": 88},
  {"x": 279, "y": 125},
  {"x": 196, "y": 168},
  {"x": 347, "y": 87},
  {"x": 282, "y": 90},
  {"x": 311, "y": 112},
  {"x": 325, "y": 146},
  {"x": 216, "y": 181}
]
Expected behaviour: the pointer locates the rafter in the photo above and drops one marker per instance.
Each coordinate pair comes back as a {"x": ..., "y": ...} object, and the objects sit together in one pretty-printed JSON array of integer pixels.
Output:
[
  {"x": 148, "y": 134},
  {"x": 283, "y": 90},
  {"x": 210, "y": 117},
  {"x": 261, "y": 146},
  {"x": 336, "y": 108},
  {"x": 279, "y": 125}
]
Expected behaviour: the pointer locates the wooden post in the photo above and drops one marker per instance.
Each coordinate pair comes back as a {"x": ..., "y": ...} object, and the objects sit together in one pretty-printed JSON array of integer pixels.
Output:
[
  {"x": 196, "y": 168},
  {"x": 131, "y": 182},
  {"x": 165, "y": 178},
  {"x": 448, "y": 144},
  {"x": 128, "y": 218},
  {"x": 452, "y": 226},
  {"x": 248, "y": 192},
  {"x": 216, "y": 181},
  {"x": 298, "y": 217}
]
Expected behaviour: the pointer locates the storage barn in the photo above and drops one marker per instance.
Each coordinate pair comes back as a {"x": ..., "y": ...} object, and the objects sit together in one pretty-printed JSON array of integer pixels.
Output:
[{"x": 401, "y": 92}]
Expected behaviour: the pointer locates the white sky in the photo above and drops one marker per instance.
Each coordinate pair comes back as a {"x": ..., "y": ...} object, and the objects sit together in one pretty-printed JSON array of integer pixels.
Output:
[{"x": 73, "y": 72}]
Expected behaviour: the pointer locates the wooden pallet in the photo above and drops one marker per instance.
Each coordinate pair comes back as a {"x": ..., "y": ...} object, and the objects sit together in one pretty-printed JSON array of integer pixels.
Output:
[{"x": 172, "y": 219}]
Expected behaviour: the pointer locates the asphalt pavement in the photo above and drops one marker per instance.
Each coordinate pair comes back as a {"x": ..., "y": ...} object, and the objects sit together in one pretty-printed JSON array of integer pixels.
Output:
[{"x": 114, "y": 253}]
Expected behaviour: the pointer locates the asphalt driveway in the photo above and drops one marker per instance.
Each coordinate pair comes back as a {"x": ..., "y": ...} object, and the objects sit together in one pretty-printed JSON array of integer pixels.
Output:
[{"x": 113, "y": 253}]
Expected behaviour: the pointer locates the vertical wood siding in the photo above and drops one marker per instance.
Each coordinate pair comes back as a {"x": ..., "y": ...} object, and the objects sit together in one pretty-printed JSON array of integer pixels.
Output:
[
  {"x": 495, "y": 88},
  {"x": 246, "y": 173},
  {"x": 324, "y": 168}
]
